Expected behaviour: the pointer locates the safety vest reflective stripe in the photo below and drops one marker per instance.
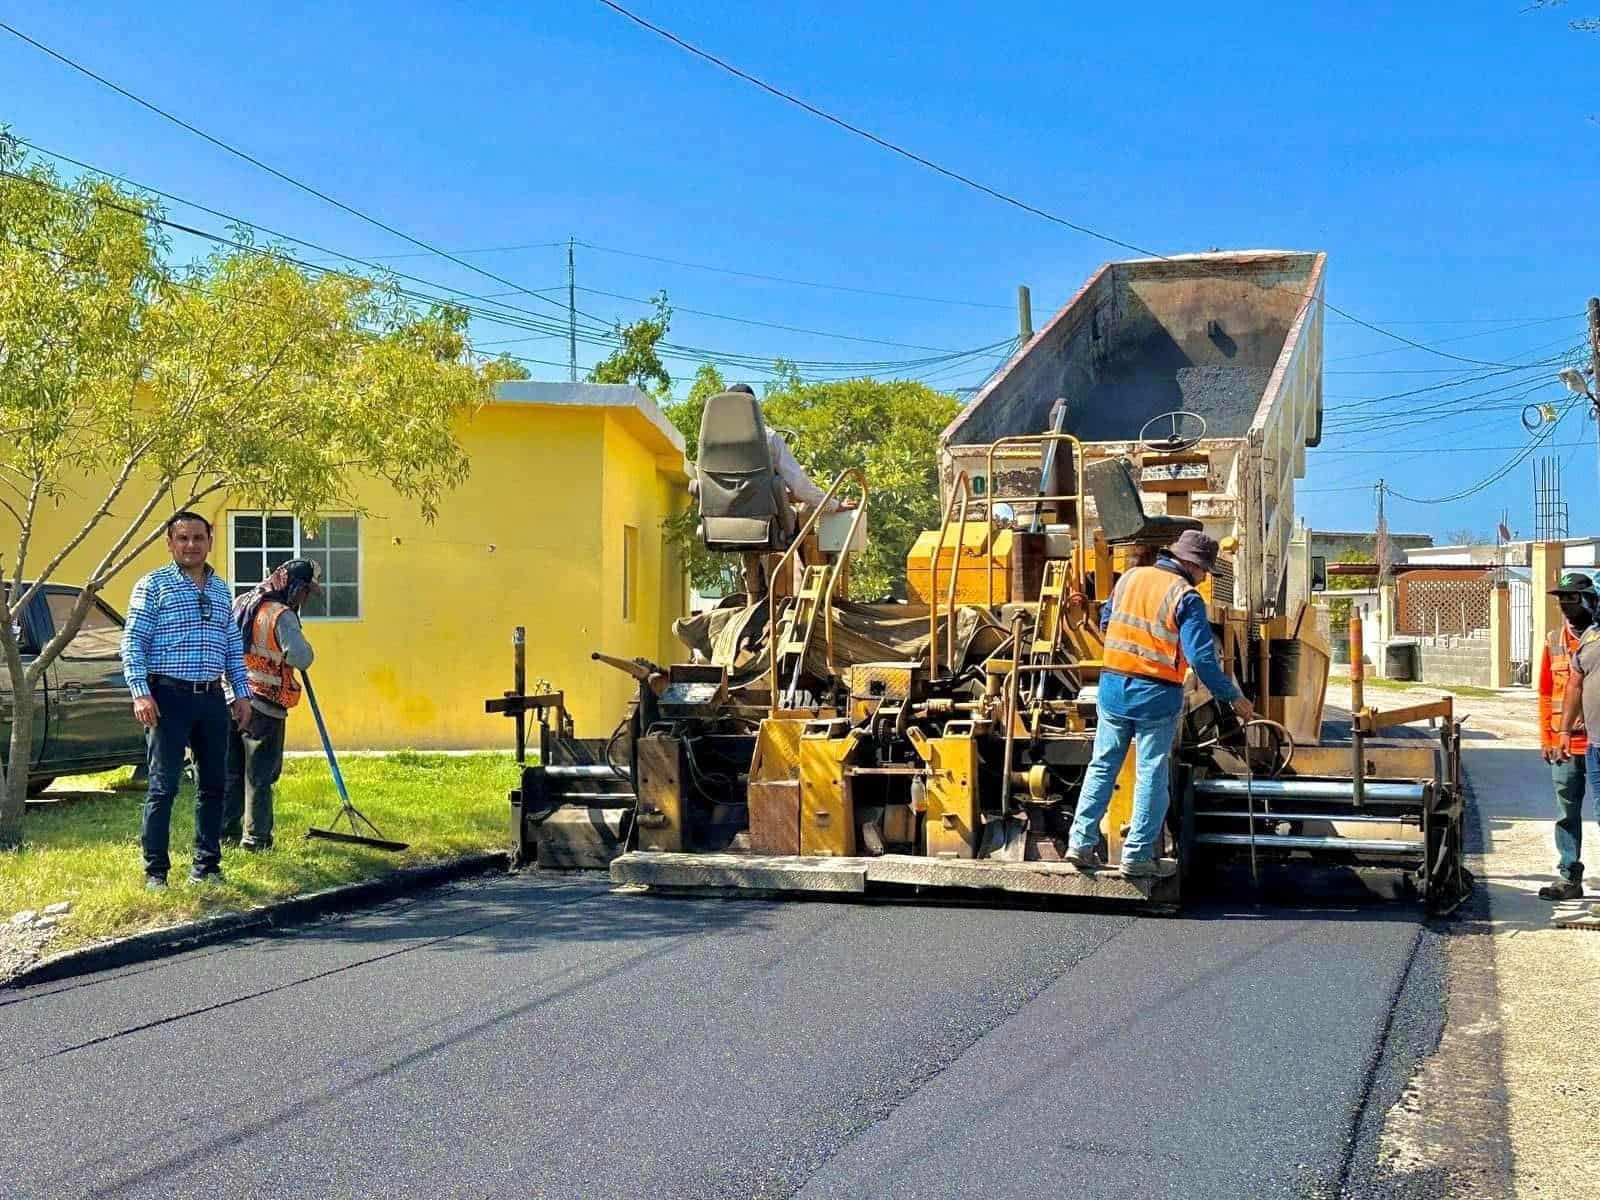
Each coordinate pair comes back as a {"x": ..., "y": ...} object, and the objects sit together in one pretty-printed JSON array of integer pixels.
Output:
[
  {"x": 1142, "y": 632},
  {"x": 270, "y": 676},
  {"x": 1159, "y": 632}
]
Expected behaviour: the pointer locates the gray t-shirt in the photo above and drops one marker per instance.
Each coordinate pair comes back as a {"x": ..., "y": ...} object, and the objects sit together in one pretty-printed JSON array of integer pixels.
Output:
[{"x": 1586, "y": 663}]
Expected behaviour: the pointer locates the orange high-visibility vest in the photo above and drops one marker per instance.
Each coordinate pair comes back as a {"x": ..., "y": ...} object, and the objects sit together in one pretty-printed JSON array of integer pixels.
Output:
[
  {"x": 1560, "y": 646},
  {"x": 271, "y": 677},
  {"x": 1142, "y": 633}
]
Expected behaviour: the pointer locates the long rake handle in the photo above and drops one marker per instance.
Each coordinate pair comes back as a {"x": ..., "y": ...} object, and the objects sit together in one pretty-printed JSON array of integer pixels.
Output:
[{"x": 327, "y": 745}]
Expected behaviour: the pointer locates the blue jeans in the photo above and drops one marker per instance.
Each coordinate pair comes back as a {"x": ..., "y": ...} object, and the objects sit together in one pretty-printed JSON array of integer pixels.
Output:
[
  {"x": 199, "y": 723},
  {"x": 1152, "y": 741},
  {"x": 1569, "y": 779}
]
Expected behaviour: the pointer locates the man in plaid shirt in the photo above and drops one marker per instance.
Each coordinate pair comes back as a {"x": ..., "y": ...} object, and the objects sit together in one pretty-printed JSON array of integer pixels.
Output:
[{"x": 179, "y": 644}]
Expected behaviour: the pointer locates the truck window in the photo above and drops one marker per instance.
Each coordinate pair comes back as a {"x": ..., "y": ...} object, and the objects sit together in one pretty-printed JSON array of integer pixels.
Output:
[{"x": 101, "y": 635}]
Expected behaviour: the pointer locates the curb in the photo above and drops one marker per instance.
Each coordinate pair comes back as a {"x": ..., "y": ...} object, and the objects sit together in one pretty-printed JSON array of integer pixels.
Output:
[{"x": 296, "y": 910}]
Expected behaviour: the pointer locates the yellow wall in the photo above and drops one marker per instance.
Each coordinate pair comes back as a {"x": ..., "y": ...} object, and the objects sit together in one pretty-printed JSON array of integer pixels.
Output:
[{"x": 551, "y": 487}]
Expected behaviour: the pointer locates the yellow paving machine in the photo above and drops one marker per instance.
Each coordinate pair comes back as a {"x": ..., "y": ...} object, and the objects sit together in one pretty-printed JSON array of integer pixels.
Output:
[{"x": 813, "y": 743}]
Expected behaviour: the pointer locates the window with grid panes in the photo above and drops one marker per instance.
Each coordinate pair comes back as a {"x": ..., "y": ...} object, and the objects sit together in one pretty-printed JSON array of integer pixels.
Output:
[{"x": 259, "y": 543}]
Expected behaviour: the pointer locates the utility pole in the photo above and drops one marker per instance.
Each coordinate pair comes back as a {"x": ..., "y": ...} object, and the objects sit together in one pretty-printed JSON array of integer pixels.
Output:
[
  {"x": 1025, "y": 313},
  {"x": 572, "y": 315},
  {"x": 1594, "y": 373},
  {"x": 1380, "y": 538}
]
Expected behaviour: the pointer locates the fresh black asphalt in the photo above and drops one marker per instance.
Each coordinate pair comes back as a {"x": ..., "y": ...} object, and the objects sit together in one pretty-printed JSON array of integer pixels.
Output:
[{"x": 541, "y": 1038}]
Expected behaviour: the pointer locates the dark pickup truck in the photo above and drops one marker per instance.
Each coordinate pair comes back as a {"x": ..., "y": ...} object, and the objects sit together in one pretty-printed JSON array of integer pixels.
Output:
[{"x": 82, "y": 713}]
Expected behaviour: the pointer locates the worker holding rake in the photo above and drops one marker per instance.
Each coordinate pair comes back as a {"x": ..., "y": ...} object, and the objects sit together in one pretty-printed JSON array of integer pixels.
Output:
[{"x": 275, "y": 648}]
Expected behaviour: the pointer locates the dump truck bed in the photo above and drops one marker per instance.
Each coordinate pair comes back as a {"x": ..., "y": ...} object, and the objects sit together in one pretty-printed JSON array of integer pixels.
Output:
[{"x": 1235, "y": 338}]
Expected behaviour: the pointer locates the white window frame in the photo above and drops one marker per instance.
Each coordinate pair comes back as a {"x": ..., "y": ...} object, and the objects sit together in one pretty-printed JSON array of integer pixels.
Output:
[{"x": 361, "y": 555}]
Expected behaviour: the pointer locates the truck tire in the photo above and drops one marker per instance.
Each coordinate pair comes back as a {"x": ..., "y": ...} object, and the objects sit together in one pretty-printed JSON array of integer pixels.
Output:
[{"x": 35, "y": 786}]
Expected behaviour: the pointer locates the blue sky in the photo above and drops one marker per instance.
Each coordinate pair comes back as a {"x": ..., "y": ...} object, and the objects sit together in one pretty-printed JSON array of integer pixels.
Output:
[{"x": 1448, "y": 164}]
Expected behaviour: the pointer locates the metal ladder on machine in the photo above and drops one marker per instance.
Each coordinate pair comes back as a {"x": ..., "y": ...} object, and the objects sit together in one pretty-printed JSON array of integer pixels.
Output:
[
  {"x": 815, "y": 598},
  {"x": 815, "y": 585}
]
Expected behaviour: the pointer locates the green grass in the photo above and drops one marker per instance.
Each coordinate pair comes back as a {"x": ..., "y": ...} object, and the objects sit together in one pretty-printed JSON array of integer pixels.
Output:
[
  {"x": 86, "y": 849},
  {"x": 1395, "y": 685}
]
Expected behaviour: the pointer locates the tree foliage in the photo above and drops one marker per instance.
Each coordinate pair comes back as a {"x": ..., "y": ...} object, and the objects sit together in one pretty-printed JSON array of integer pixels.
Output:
[
  {"x": 887, "y": 428},
  {"x": 1339, "y": 610},
  {"x": 145, "y": 387},
  {"x": 635, "y": 359},
  {"x": 1576, "y": 24},
  {"x": 890, "y": 430}
]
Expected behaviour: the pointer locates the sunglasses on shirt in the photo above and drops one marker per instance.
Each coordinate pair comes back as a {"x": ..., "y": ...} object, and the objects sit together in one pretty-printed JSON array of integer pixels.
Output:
[{"x": 205, "y": 606}]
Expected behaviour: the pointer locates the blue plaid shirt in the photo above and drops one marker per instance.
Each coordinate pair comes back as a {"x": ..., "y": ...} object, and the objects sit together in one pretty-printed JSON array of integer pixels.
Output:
[{"x": 168, "y": 632}]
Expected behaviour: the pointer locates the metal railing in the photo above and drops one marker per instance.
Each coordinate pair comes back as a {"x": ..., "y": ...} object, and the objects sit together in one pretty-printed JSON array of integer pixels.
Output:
[
  {"x": 1042, "y": 440},
  {"x": 833, "y": 576}
]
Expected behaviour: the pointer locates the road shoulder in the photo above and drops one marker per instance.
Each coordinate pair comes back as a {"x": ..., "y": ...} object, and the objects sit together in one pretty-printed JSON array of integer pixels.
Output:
[{"x": 190, "y": 935}]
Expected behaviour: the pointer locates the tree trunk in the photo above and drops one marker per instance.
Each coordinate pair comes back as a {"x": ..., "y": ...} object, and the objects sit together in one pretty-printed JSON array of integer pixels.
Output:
[{"x": 14, "y": 788}]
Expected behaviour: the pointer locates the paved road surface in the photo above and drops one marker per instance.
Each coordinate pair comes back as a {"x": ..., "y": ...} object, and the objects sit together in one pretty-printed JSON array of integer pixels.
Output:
[{"x": 537, "y": 1038}]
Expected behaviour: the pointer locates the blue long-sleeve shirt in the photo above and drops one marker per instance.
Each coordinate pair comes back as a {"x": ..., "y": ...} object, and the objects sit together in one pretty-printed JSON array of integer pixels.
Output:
[
  {"x": 1142, "y": 699},
  {"x": 183, "y": 630}
]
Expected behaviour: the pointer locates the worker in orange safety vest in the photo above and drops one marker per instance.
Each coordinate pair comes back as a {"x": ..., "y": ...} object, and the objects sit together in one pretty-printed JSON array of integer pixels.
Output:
[
  {"x": 1155, "y": 629},
  {"x": 275, "y": 648},
  {"x": 1579, "y": 601}
]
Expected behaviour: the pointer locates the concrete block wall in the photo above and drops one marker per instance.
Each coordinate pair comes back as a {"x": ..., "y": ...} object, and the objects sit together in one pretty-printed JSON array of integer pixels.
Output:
[{"x": 1456, "y": 660}]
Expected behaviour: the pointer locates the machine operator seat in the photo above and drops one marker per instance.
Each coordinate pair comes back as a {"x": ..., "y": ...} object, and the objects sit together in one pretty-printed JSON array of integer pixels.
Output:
[
  {"x": 743, "y": 504},
  {"x": 1121, "y": 511}
]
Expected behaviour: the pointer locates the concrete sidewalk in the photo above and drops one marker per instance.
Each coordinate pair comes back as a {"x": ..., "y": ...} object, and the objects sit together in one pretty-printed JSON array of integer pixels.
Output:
[
  {"x": 1509, "y": 1103},
  {"x": 1547, "y": 979}
]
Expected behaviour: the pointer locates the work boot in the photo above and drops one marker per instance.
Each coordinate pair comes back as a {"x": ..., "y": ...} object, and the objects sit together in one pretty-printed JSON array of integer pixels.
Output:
[
  {"x": 1567, "y": 889},
  {"x": 155, "y": 883},
  {"x": 206, "y": 878},
  {"x": 256, "y": 847},
  {"x": 1149, "y": 868},
  {"x": 1083, "y": 858}
]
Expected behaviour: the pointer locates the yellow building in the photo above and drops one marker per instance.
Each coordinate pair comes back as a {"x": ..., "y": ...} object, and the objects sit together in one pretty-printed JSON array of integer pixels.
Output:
[{"x": 558, "y": 529}]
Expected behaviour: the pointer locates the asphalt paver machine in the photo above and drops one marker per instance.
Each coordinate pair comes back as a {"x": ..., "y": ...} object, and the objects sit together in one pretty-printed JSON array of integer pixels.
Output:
[{"x": 815, "y": 743}]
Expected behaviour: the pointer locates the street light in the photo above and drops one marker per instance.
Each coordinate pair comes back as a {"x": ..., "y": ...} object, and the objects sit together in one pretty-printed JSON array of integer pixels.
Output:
[{"x": 1578, "y": 384}]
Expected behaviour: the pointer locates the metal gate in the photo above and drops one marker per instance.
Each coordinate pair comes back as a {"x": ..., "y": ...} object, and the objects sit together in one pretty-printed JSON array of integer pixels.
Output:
[{"x": 1521, "y": 631}]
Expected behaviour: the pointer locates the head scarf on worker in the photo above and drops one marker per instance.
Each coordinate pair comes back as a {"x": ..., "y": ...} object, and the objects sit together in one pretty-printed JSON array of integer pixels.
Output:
[{"x": 290, "y": 584}]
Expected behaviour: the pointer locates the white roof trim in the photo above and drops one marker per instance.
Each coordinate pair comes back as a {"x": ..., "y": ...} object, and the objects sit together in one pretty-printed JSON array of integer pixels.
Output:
[{"x": 589, "y": 395}]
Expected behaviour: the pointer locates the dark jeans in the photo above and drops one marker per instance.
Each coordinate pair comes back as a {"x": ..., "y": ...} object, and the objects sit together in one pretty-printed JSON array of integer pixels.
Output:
[
  {"x": 1569, "y": 779},
  {"x": 255, "y": 760},
  {"x": 199, "y": 723}
]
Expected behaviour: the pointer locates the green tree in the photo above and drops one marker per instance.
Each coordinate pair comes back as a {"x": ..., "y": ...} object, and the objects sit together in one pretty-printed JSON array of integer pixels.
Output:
[
  {"x": 147, "y": 387},
  {"x": 1339, "y": 610},
  {"x": 1577, "y": 24},
  {"x": 685, "y": 414},
  {"x": 635, "y": 359},
  {"x": 709, "y": 572},
  {"x": 888, "y": 428},
  {"x": 504, "y": 367}
]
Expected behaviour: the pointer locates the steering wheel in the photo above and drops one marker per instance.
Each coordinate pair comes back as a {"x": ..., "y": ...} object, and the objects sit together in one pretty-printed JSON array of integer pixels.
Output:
[{"x": 1176, "y": 440}]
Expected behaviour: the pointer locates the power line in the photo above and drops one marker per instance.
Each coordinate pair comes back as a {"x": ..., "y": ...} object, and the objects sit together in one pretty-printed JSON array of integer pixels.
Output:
[
  {"x": 268, "y": 168},
  {"x": 832, "y": 287},
  {"x": 967, "y": 180},
  {"x": 1450, "y": 449},
  {"x": 1467, "y": 337},
  {"x": 601, "y": 335},
  {"x": 699, "y": 312},
  {"x": 1495, "y": 476},
  {"x": 723, "y": 65}
]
